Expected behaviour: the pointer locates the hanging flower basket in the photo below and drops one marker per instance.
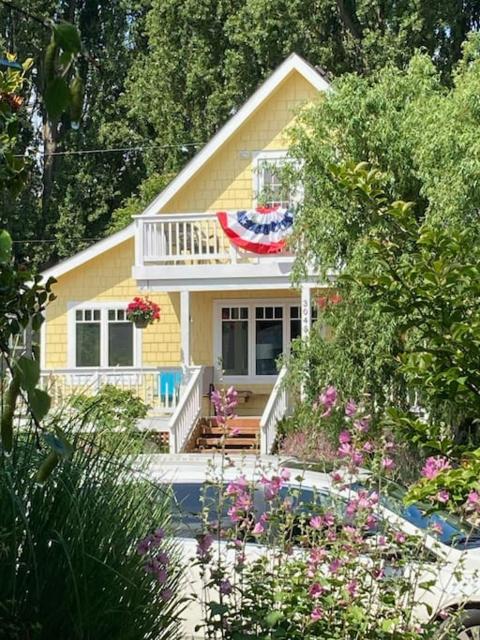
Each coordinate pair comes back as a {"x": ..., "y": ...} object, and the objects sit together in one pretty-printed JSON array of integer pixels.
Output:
[{"x": 142, "y": 312}]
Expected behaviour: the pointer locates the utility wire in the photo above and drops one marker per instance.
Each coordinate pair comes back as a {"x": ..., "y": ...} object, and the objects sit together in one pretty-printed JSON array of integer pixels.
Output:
[
  {"x": 14, "y": 7},
  {"x": 78, "y": 152}
]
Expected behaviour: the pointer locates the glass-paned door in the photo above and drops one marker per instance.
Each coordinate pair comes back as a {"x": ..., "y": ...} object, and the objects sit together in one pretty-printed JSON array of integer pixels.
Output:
[
  {"x": 268, "y": 339},
  {"x": 235, "y": 341}
]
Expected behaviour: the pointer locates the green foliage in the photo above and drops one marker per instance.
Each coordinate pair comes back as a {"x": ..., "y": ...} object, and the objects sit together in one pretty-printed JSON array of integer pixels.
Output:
[
  {"x": 113, "y": 414},
  {"x": 68, "y": 561},
  {"x": 400, "y": 121}
]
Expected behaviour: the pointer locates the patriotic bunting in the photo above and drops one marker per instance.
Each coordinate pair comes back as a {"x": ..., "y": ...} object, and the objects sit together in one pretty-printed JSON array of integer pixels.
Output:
[{"x": 261, "y": 230}]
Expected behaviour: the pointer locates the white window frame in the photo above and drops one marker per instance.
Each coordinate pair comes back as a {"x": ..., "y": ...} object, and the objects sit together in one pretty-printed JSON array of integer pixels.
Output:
[
  {"x": 104, "y": 308},
  {"x": 251, "y": 377},
  {"x": 258, "y": 157}
]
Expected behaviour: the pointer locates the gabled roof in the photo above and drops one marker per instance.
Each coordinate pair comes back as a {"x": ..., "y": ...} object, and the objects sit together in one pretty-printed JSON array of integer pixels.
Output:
[{"x": 293, "y": 63}]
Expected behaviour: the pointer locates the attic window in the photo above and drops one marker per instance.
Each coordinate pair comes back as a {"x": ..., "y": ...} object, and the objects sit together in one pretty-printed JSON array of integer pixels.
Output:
[{"x": 270, "y": 189}]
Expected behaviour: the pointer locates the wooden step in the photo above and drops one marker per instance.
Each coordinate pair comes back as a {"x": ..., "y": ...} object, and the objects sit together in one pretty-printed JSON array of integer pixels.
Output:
[
  {"x": 228, "y": 442},
  {"x": 238, "y": 421},
  {"x": 247, "y": 430}
]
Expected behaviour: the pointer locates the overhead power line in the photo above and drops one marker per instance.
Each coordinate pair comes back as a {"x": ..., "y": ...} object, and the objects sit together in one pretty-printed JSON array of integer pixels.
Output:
[{"x": 78, "y": 152}]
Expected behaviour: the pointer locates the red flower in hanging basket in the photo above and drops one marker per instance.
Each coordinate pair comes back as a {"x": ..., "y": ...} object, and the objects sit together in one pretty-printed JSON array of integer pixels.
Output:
[{"x": 143, "y": 312}]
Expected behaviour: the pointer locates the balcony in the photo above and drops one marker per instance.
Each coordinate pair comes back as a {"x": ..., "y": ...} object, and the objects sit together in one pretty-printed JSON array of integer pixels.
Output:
[{"x": 168, "y": 246}]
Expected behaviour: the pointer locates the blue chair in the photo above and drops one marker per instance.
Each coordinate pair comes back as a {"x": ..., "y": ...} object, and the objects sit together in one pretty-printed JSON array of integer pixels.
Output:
[{"x": 168, "y": 384}]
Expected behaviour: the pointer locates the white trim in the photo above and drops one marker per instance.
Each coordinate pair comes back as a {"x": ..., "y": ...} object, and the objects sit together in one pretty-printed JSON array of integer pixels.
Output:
[
  {"x": 72, "y": 307},
  {"x": 251, "y": 303},
  {"x": 185, "y": 327},
  {"x": 293, "y": 63},
  {"x": 91, "y": 252},
  {"x": 43, "y": 342}
]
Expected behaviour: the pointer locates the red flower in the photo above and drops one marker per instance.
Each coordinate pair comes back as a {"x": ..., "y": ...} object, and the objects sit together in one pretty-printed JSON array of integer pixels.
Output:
[{"x": 143, "y": 309}]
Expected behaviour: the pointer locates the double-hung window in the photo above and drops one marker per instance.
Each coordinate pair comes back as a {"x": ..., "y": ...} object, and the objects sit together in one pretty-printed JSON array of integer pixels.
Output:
[
  {"x": 103, "y": 337},
  {"x": 271, "y": 186}
]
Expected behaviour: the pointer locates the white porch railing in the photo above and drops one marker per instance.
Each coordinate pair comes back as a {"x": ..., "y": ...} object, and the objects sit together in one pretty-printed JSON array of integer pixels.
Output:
[
  {"x": 160, "y": 388},
  {"x": 276, "y": 408},
  {"x": 187, "y": 411},
  {"x": 182, "y": 237},
  {"x": 186, "y": 238}
]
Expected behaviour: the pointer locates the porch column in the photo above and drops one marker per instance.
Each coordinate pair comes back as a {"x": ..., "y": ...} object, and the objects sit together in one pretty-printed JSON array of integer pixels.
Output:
[
  {"x": 185, "y": 327},
  {"x": 306, "y": 310}
]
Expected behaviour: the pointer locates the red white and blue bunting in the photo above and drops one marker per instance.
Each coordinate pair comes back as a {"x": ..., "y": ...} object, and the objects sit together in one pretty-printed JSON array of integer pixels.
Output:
[{"x": 261, "y": 230}]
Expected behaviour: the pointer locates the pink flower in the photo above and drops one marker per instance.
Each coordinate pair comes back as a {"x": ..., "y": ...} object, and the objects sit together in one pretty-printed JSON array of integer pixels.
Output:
[
  {"x": 437, "y": 528},
  {"x": 336, "y": 477},
  {"x": 435, "y": 465},
  {"x": 473, "y": 499},
  {"x": 344, "y": 437},
  {"x": 225, "y": 587},
  {"x": 335, "y": 566},
  {"x": 388, "y": 464},
  {"x": 443, "y": 496},
  {"x": 328, "y": 519},
  {"x": 316, "y": 522},
  {"x": 327, "y": 400},
  {"x": 235, "y": 431},
  {"x": 316, "y": 590},
  {"x": 368, "y": 447},
  {"x": 258, "y": 529},
  {"x": 352, "y": 588},
  {"x": 166, "y": 594},
  {"x": 351, "y": 408},
  {"x": 317, "y": 614},
  {"x": 204, "y": 543},
  {"x": 400, "y": 537},
  {"x": 239, "y": 485},
  {"x": 362, "y": 424}
]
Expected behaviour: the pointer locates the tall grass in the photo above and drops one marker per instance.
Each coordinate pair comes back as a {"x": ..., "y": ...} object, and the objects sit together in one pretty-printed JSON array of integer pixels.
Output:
[{"x": 68, "y": 565}]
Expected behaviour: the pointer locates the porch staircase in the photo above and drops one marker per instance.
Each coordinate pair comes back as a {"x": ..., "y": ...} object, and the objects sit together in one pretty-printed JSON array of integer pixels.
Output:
[{"x": 246, "y": 437}]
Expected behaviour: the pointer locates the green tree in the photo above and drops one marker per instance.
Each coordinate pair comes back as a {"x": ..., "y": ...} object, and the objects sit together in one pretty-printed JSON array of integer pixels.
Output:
[{"x": 424, "y": 138}]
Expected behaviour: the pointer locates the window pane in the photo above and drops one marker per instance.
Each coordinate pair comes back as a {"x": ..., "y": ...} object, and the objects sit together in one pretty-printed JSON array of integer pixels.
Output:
[
  {"x": 120, "y": 344},
  {"x": 259, "y": 312},
  {"x": 268, "y": 346},
  {"x": 88, "y": 344},
  {"x": 78, "y": 315},
  {"x": 96, "y": 314},
  {"x": 235, "y": 348},
  {"x": 234, "y": 313},
  {"x": 294, "y": 312},
  {"x": 225, "y": 313},
  {"x": 111, "y": 314},
  {"x": 278, "y": 312},
  {"x": 244, "y": 313},
  {"x": 88, "y": 314},
  {"x": 295, "y": 329}
]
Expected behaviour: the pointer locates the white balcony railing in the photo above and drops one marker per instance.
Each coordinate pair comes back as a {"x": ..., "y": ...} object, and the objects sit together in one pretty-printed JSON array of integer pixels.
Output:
[
  {"x": 186, "y": 238},
  {"x": 276, "y": 409},
  {"x": 159, "y": 388}
]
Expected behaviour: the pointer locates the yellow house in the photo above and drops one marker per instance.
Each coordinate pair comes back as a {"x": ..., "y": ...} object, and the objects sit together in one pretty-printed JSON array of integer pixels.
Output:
[{"x": 226, "y": 313}]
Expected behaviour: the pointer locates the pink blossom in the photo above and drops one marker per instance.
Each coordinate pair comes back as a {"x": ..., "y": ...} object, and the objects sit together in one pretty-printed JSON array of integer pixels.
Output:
[
  {"x": 335, "y": 566},
  {"x": 443, "y": 496},
  {"x": 204, "y": 543},
  {"x": 327, "y": 400},
  {"x": 239, "y": 485},
  {"x": 317, "y": 614},
  {"x": 388, "y": 464},
  {"x": 362, "y": 424},
  {"x": 328, "y": 519},
  {"x": 316, "y": 522},
  {"x": 258, "y": 528},
  {"x": 225, "y": 587},
  {"x": 316, "y": 590},
  {"x": 336, "y": 477},
  {"x": 285, "y": 474},
  {"x": 473, "y": 499},
  {"x": 351, "y": 408},
  {"x": 400, "y": 537},
  {"x": 368, "y": 447},
  {"x": 352, "y": 588},
  {"x": 166, "y": 594},
  {"x": 437, "y": 528},
  {"x": 435, "y": 465},
  {"x": 344, "y": 437},
  {"x": 235, "y": 431},
  {"x": 344, "y": 450}
]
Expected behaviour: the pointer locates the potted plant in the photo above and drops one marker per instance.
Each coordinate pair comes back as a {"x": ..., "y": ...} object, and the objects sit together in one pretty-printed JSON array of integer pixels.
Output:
[{"x": 142, "y": 312}]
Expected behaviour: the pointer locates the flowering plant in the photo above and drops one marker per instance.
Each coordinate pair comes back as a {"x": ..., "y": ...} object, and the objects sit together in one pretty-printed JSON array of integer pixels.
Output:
[
  {"x": 325, "y": 565},
  {"x": 143, "y": 311}
]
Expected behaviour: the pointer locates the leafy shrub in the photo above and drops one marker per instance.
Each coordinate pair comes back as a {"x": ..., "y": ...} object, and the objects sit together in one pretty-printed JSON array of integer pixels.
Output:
[
  {"x": 113, "y": 414},
  {"x": 68, "y": 561}
]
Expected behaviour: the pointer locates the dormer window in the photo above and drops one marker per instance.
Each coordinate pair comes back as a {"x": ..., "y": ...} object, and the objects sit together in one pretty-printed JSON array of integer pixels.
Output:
[
  {"x": 270, "y": 183},
  {"x": 270, "y": 189}
]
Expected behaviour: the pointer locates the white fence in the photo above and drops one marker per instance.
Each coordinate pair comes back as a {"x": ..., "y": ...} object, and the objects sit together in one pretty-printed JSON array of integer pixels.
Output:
[{"x": 158, "y": 388}]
